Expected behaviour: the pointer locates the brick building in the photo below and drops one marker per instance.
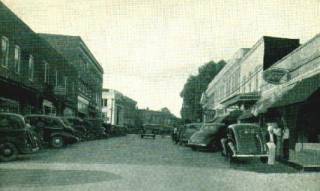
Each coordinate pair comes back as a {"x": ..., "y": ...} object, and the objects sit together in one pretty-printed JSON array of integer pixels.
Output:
[
  {"x": 33, "y": 75},
  {"x": 88, "y": 73}
]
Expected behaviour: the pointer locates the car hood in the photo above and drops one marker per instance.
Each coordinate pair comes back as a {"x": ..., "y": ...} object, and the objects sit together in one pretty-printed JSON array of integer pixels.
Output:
[
  {"x": 201, "y": 137},
  {"x": 188, "y": 133}
]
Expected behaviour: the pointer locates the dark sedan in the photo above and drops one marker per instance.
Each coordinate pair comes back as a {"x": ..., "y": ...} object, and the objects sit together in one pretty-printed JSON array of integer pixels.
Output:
[
  {"x": 16, "y": 137},
  {"x": 208, "y": 137}
]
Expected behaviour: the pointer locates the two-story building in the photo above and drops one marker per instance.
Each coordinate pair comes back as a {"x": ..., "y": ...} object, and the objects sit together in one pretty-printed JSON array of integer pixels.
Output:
[
  {"x": 238, "y": 85},
  {"x": 87, "y": 76},
  {"x": 32, "y": 74}
]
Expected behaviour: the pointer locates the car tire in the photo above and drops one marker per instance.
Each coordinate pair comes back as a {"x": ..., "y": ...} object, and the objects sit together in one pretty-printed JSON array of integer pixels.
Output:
[
  {"x": 8, "y": 152},
  {"x": 57, "y": 141}
]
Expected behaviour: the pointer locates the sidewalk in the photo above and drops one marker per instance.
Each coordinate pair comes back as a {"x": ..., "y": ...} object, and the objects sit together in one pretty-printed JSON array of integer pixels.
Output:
[{"x": 306, "y": 160}]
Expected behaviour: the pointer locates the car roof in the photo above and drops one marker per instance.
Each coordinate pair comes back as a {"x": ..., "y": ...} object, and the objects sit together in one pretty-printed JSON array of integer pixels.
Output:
[
  {"x": 12, "y": 114},
  {"x": 43, "y": 116}
]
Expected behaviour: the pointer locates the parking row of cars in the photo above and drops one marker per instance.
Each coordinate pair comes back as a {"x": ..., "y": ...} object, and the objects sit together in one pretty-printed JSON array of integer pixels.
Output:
[
  {"x": 26, "y": 134},
  {"x": 242, "y": 140}
]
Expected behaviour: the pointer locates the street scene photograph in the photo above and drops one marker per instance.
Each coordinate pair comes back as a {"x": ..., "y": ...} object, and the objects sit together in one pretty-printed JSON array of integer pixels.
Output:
[{"x": 159, "y": 95}]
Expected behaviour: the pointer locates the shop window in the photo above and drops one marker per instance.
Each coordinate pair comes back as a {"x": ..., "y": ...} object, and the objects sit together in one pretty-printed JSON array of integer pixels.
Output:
[
  {"x": 4, "y": 51},
  {"x": 17, "y": 59},
  {"x": 31, "y": 68}
]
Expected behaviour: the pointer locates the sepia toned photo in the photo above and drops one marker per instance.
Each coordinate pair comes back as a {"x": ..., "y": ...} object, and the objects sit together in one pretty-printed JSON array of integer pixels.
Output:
[{"x": 159, "y": 95}]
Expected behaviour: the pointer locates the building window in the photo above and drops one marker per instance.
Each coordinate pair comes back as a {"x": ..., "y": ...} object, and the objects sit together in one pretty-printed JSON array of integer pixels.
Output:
[
  {"x": 105, "y": 102},
  {"x": 4, "y": 51},
  {"x": 31, "y": 67},
  {"x": 46, "y": 72},
  {"x": 17, "y": 59},
  {"x": 57, "y": 78},
  {"x": 65, "y": 83}
]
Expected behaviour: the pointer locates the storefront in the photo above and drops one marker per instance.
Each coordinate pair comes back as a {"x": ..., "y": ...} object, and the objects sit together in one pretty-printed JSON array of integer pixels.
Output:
[
  {"x": 296, "y": 105},
  {"x": 83, "y": 107}
]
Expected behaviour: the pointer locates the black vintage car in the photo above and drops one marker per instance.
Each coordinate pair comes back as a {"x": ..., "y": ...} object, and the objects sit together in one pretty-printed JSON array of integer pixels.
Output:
[
  {"x": 16, "y": 137},
  {"x": 52, "y": 130},
  {"x": 94, "y": 128},
  {"x": 78, "y": 125},
  {"x": 244, "y": 140}
]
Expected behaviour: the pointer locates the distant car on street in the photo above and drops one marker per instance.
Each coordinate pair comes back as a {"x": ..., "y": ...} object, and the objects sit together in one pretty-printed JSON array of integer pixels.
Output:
[
  {"x": 244, "y": 140},
  {"x": 16, "y": 137},
  {"x": 208, "y": 137},
  {"x": 148, "y": 133},
  {"x": 52, "y": 130},
  {"x": 187, "y": 131}
]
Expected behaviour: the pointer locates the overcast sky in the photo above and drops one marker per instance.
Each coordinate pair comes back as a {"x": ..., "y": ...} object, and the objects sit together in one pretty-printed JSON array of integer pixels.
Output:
[{"x": 148, "y": 48}]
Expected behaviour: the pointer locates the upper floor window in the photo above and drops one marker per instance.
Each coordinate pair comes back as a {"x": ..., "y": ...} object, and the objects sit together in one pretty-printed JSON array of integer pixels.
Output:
[
  {"x": 65, "y": 82},
  {"x": 31, "y": 67},
  {"x": 17, "y": 59},
  {"x": 4, "y": 51},
  {"x": 46, "y": 72},
  {"x": 57, "y": 78}
]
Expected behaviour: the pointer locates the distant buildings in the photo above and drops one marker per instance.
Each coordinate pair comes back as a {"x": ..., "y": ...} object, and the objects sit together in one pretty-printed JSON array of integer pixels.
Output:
[
  {"x": 118, "y": 109},
  {"x": 163, "y": 117},
  {"x": 41, "y": 75}
]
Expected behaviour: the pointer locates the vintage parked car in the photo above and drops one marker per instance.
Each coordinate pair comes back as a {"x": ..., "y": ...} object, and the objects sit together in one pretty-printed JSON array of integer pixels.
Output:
[
  {"x": 187, "y": 131},
  {"x": 78, "y": 125},
  {"x": 208, "y": 137},
  {"x": 94, "y": 128},
  {"x": 148, "y": 133},
  {"x": 52, "y": 130},
  {"x": 16, "y": 137},
  {"x": 244, "y": 140}
]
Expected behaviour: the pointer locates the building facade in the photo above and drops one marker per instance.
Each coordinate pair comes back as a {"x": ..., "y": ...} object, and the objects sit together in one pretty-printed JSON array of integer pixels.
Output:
[
  {"x": 118, "y": 109},
  {"x": 291, "y": 96},
  {"x": 32, "y": 74},
  {"x": 87, "y": 76},
  {"x": 238, "y": 84}
]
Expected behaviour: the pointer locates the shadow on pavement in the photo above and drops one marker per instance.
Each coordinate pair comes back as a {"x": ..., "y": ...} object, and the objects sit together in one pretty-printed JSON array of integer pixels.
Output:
[
  {"x": 255, "y": 165},
  {"x": 40, "y": 178}
]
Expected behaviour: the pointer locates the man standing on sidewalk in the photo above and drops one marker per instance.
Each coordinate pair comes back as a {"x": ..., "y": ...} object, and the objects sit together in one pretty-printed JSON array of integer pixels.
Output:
[{"x": 285, "y": 139}]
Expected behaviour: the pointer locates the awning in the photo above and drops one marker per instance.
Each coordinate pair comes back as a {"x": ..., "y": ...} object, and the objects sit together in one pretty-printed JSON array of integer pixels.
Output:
[
  {"x": 241, "y": 98},
  {"x": 286, "y": 95}
]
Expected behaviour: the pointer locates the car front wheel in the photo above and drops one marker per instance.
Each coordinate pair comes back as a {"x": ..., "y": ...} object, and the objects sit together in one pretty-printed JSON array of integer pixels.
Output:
[
  {"x": 57, "y": 141},
  {"x": 8, "y": 152}
]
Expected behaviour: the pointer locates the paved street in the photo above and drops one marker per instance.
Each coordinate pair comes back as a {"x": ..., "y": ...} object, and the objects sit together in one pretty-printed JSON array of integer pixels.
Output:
[{"x": 131, "y": 163}]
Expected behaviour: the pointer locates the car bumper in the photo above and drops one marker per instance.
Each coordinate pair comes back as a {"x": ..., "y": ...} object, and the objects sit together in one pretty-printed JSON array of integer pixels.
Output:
[
  {"x": 249, "y": 155},
  {"x": 193, "y": 144}
]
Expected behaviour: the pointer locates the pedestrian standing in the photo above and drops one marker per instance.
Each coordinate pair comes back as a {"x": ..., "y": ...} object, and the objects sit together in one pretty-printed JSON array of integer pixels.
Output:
[
  {"x": 271, "y": 145},
  {"x": 285, "y": 139}
]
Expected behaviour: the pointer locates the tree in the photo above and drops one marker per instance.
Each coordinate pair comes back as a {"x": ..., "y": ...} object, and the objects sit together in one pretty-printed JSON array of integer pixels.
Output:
[{"x": 191, "y": 110}]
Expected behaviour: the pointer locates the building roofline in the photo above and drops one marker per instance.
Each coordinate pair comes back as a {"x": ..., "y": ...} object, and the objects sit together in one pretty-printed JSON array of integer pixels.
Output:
[
  {"x": 296, "y": 50},
  {"x": 86, "y": 49}
]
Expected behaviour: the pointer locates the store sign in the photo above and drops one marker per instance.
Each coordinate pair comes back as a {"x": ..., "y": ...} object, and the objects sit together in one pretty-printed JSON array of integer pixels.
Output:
[{"x": 276, "y": 75}]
